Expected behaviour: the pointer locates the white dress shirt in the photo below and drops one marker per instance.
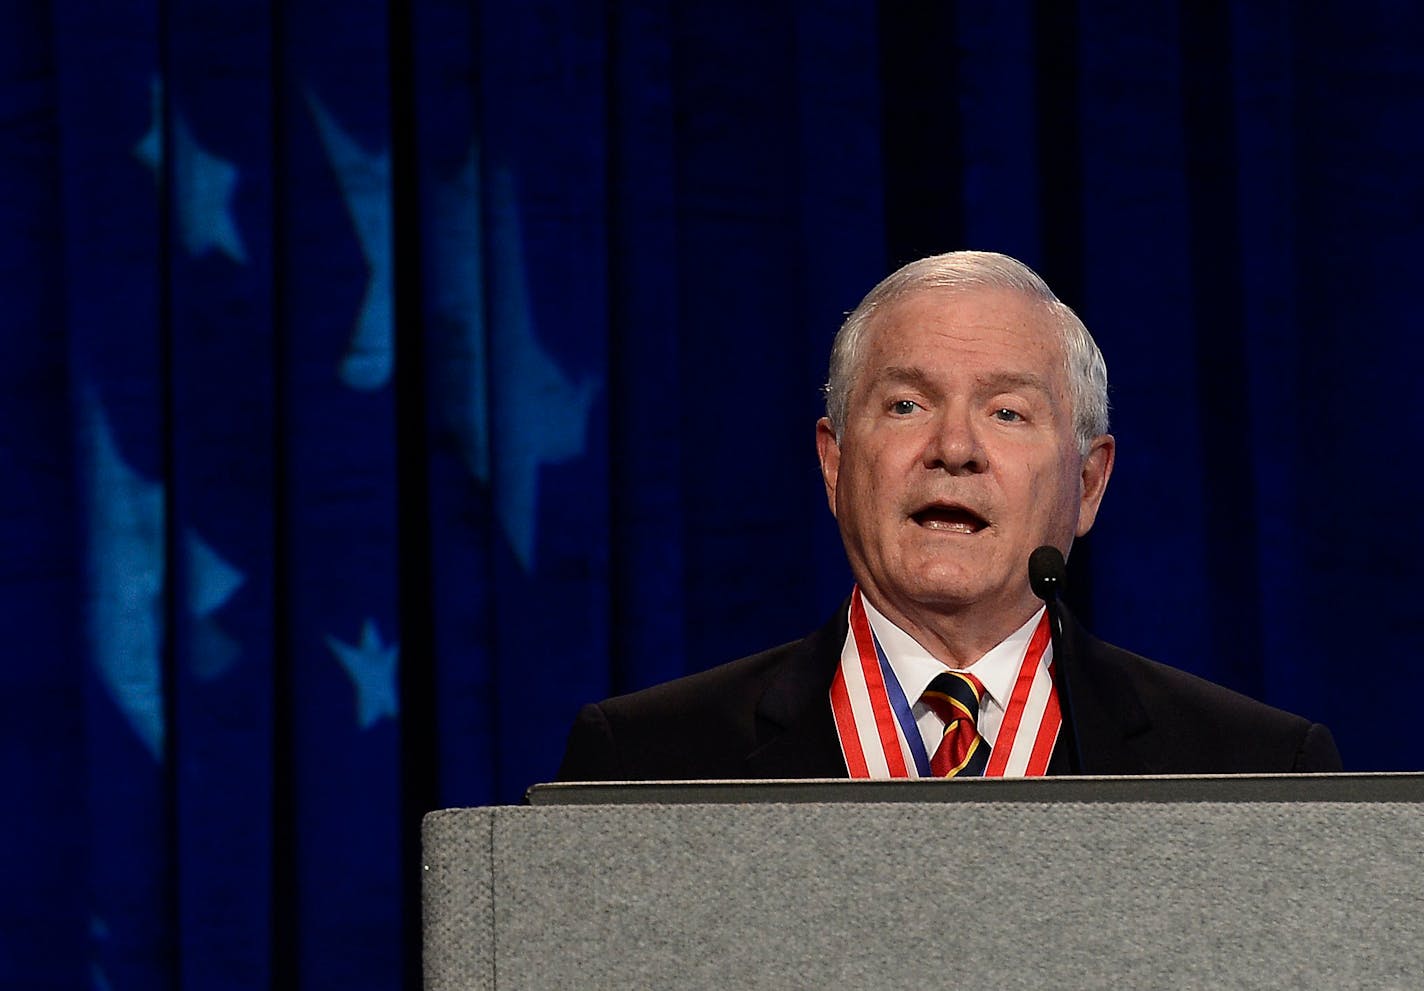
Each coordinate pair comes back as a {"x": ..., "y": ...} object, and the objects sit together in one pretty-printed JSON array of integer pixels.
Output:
[{"x": 915, "y": 668}]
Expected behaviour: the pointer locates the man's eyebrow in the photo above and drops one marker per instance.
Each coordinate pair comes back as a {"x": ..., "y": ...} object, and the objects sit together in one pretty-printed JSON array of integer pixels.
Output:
[
  {"x": 997, "y": 381},
  {"x": 1022, "y": 380},
  {"x": 902, "y": 375}
]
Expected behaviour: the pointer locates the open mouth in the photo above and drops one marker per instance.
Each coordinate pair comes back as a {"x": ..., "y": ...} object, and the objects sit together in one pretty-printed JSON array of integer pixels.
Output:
[{"x": 950, "y": 519}]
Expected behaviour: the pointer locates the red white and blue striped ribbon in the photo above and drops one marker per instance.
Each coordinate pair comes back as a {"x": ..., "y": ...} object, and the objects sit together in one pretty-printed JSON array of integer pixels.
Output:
[{"x": 876, "y": 723}]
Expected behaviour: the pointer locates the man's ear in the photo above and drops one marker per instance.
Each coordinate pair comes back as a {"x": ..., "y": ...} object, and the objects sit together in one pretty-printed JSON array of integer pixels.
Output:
[
  {"x": 828, "y": 449},
  {"x": 1097, "y": 469}
]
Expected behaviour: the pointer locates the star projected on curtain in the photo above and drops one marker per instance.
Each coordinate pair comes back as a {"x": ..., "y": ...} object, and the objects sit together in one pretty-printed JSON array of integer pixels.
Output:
[
  {"x": 457, "y": 287},
  {"x": 540, "y": 413},
  {"x": 365, "y": 181},
  {"x": 530, "y": 413},
  {"x": 127, "y": 572},
  {"x": 371, "y": 666},
  {"x": 203, "y": 184},
  {"x": 126, "y": 576},
  {"x": 211, "y": 583}
]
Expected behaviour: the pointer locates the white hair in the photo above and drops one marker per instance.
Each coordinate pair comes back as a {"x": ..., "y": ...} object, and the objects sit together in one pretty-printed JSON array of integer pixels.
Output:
[{"x": 969, "y": 270}]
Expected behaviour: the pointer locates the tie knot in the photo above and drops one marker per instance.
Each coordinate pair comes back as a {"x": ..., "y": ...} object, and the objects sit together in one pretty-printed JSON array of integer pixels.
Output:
[{"x": 954, "y": 695}]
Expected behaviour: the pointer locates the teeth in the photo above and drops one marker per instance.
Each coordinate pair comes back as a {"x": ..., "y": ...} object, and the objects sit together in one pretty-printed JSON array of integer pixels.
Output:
[{"x": 955, "y": 526}]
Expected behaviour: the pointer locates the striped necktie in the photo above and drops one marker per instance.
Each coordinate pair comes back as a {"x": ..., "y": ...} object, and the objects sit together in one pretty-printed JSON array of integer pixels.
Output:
[{"x": 962, "y": 752}]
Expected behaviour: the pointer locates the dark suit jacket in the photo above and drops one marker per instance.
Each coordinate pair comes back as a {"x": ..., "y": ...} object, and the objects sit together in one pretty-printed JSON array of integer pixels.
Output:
[{"x": 769, "y": 716}]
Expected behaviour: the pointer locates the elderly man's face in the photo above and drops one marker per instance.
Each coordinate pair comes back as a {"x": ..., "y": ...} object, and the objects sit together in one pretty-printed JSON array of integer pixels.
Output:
[{"x": 958, "y": 456}]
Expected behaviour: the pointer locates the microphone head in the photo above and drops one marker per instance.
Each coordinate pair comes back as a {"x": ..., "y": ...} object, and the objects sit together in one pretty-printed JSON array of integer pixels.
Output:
[{"x": 1047, "y": 573}]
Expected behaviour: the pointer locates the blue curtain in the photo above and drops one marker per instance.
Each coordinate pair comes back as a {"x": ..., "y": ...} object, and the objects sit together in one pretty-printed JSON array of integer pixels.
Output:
[{"x": 379, "y": 383}]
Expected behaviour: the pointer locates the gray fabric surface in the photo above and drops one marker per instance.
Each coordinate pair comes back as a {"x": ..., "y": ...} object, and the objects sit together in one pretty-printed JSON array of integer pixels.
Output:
[
  {"x": 458, "y": 899},
  {"x": 1005, "y": 895}
]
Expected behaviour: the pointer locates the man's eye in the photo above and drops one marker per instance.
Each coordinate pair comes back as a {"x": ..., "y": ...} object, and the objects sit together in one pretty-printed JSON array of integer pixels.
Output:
[
  {"x": 903, "y": 407},
  {"x": 1007, "y": 415}
]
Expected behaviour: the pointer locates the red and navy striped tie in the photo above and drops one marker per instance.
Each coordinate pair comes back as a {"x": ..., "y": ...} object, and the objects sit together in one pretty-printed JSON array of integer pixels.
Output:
[{"x": 962, "y": 752}]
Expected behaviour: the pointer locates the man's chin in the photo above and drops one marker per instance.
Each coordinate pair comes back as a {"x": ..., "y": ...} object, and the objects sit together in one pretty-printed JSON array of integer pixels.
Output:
[
  {"x": 938, "y": 583},
  {"x": 956, "y": 578},
  {"x": 940, "y": 596}
]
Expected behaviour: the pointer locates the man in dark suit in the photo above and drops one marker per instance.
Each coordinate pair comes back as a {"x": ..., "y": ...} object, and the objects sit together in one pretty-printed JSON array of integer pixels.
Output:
[{"x": 966, "y": 426}]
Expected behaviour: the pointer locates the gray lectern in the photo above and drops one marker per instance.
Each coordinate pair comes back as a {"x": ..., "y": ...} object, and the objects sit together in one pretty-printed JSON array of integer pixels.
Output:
[{"x": 1282, "y": 882}]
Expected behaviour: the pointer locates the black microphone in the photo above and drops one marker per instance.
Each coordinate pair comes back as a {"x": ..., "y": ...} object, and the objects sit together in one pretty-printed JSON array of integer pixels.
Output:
[{"x": 1048, "y": 576}]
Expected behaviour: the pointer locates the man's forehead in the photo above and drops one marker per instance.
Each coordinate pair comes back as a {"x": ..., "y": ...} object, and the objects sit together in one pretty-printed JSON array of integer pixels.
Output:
[{"x": 948, "y": 321}]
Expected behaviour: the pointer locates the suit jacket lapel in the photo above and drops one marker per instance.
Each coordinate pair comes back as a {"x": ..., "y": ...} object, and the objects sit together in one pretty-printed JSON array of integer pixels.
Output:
[{"x": 796, "y": 733}]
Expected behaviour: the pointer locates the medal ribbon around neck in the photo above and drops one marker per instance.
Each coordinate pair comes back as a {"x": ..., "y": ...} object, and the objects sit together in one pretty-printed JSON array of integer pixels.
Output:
[{"x": 876, "y": 723}]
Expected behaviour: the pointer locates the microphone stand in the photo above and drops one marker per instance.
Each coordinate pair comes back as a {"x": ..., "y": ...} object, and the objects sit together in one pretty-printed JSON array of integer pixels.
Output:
[{"x": 1047, "y": 575}]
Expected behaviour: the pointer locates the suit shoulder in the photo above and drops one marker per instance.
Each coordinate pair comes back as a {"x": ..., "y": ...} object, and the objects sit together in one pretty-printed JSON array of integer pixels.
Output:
[
  {"x": 710, "y": 694},
  {"x": 1228, "y": 731},
  {"x": 1161, "y": 684},
  {"x": 701, "y": 725}
]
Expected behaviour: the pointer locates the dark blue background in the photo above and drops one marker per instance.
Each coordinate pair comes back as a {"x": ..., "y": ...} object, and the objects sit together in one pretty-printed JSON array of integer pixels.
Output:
[{"x": 378, "y": 384}]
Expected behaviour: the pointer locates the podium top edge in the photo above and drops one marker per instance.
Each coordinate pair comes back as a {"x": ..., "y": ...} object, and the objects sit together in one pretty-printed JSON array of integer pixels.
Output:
[{"x": 1369, "y": 787}]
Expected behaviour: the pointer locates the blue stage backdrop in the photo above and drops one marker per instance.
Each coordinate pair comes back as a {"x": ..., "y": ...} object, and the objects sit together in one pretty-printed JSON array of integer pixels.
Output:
[{"x": 382, "y": 382}]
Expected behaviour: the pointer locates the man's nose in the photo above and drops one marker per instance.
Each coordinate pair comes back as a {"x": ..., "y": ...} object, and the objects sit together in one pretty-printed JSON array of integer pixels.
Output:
[{"x": 955, "y": 445}]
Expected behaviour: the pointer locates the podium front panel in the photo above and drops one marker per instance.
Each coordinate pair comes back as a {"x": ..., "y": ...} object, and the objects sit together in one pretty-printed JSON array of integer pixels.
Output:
[{"x": 1014, "y": 894}]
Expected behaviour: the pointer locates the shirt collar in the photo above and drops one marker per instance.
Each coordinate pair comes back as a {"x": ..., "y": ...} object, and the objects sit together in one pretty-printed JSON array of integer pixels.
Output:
[{"x": 916, "y": 667}]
